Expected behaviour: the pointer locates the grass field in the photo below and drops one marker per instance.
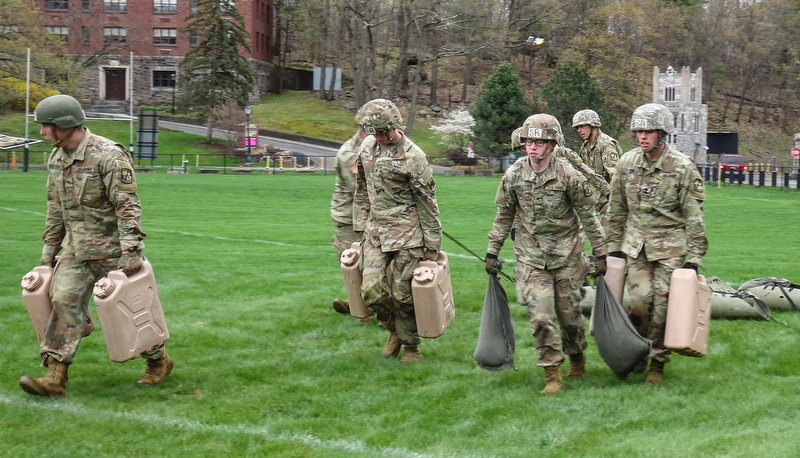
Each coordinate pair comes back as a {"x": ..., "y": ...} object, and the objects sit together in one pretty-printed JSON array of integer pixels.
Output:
[{"x": 264, "y": 367}]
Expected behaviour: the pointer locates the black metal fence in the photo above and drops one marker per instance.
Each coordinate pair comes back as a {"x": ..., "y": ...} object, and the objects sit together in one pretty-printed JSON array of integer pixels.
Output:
[{"x": 761, "y": 175}]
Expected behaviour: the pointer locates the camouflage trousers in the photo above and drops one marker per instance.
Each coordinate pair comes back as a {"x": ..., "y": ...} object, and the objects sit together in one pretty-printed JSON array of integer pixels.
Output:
[
  {"x": 343, "y": 237},
  {"x": 648, "y": 287},
  {"x": 386, "y": 288},
  {"x": 553, "y": 298},
  {"x": 70, "y": 291}
]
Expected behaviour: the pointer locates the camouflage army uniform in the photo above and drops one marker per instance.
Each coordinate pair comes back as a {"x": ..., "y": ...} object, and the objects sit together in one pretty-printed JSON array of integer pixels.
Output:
[
  {"x": 601, "y": 155},
  {"x": 655, "y": 219},
  {"x": 93, "y": 212},
  {"x": 342, "y": 201},
  {"x": 395, "y": 205},
  {"x": 553, "y": 210},
  {"x": 596, "y": 180}
]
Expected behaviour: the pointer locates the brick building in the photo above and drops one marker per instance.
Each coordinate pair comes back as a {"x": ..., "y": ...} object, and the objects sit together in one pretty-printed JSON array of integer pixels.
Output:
[
  {"x": 105, "y": 32},
  {"x": 682, "y": 94}
]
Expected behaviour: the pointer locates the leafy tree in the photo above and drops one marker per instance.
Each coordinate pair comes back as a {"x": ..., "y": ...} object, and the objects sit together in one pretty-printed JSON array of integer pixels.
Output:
[
  {"x": 21, "y": 29},
  {"x": 570, "y": 90},
  {"x": 499, "y": 108},
  {"x": 214, "y": 71},
  {"x": 455, "y": 128}
]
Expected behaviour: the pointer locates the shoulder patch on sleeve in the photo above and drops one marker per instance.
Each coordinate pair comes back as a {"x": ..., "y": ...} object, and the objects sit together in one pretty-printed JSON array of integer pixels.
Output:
[
  {"x": 587, "y": 189},
  {"x": 427, "y": 175},
  {"x": 126, "y": 180}
]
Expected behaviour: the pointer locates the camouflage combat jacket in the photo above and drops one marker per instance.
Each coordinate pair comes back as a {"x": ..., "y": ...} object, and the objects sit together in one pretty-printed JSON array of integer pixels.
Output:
[
  {"x": 395, "y": 198},
  {"x": 342, "y": 201},
  {"x": 92, "y": 207},
  {"x": 599, "y": 183},
  {"x": 657, "y": 207},
  {"x": 602, "y": 155},
  {"x": 552, "y": 209}
]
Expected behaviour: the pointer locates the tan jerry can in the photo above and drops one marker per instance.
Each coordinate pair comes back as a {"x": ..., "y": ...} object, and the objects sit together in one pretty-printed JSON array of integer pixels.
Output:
[
  {"x": 36, "y": 294},
  {"x": 130, "y": 313},
  {"x": 615, "y": 280},
  {"x": 432, "y": 291},
  {"x": 352, "y": 280},
  {"x": 688, "y": 313}
]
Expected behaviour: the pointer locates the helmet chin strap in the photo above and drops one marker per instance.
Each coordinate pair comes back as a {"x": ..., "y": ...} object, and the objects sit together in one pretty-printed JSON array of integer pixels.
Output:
[
  {"x": 66, "y": 137},
  {"x": 661, "y": 141}
]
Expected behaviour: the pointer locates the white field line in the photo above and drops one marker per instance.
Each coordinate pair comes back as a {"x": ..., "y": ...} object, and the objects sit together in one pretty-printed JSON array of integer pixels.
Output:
[
  {"x": 72, "y": 407},
  {"x": 268, "y": 242}
]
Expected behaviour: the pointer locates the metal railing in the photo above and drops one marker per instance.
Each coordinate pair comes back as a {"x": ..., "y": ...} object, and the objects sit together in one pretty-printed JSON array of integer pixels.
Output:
[{"x": 757, "y": 174}]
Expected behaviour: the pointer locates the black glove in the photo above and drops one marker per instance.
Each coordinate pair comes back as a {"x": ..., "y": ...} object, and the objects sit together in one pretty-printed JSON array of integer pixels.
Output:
[
  {"x": 617, "y": 254},
  {"x": 492, "y": 266},
  {"x": 691, "y": 265},
  {"x": 130, "y": 261},
  {"x": 600, "y": 266}
]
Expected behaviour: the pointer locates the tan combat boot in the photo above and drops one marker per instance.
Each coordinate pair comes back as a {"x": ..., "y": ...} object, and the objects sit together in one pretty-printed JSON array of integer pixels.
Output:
[
  {"x": 341, "y": 306},
  {"x": 392, "y": 346},
  {"x": 655, "y": 375},
  {"x": 157, "y": 370},
  {"x": 552, "y": 375},
  {"x": 54, "y": 383},
  {"x": 577, "y": 365},
  {"x": 411, "y": 354}
]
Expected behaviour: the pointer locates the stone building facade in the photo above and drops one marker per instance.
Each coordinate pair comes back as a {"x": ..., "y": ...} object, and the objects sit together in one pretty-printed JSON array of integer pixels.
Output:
[
  {"x": 154, "y": 35},
  {"x": 682, "y": 94}
]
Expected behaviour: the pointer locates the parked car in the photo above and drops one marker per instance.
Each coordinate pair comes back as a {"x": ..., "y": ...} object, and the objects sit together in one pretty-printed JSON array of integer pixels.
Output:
[{"x": 732, "y": 162}]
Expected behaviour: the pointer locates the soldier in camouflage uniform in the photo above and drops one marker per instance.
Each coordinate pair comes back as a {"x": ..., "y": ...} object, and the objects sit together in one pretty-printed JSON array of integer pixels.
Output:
[
  {"x": 395, "y": 206},
  {"x": 342, "y": 206},
  {"x": 553, "y": 206},
  {"x": 656, "y": 223},
  {"x": 599, "y": 150},
  {"x": 600, "y": 185},
  {"x": 94, "y": 214},
  {"x": 516, "y": 142}
]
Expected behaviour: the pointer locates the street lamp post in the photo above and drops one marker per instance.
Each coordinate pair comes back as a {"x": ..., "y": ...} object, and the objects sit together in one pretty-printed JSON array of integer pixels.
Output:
[
  {"x": 172, "y": 81},
  {"x": 247, "y": 111}
]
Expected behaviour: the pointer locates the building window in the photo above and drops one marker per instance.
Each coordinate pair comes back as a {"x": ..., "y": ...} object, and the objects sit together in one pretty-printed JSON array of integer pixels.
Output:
[
  {"x": 60, "y": 30},
  {"x": 669, "y": 94},
  {"x": 115, "y": 5},
  {"x": 8, "y": 31},
  {"x": 86, "y": 4},
  {"x": 165, "y": 6},
  {"x": 164, "y": 78},
  {"x": 693, "y": 94},
  {"x": 193, "y": 38},
  {"x": 697, "y": 123},
  {"x": 192, "y": 6},
  {"x": 85, "y": 35},
  {"x": 683, "y": 119},
  {"x": 165, "y": 36},
  {"x": 114, "y": 35},
  {"x": 56, "y": 4}
]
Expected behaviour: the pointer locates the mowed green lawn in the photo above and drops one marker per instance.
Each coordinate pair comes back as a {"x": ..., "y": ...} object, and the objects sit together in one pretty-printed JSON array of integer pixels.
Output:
[{"x": 264, "y": 366}]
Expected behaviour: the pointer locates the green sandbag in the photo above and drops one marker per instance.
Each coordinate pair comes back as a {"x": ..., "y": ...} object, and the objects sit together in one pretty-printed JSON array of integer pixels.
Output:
[
  {"x": 618, "y": 343},
  {"x": 496, "y": 339}
]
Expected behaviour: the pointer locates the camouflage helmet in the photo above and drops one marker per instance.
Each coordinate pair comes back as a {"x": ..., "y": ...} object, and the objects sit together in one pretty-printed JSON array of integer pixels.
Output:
[
  {"x": 378, "y": 116},
  {"x": 544, "y": 127},
  {"x": 516, "y": 141},
  {"x": 652, "y": 116},
  {"x": 585, "y": 117},
  {"x": 63, "y": 111}
]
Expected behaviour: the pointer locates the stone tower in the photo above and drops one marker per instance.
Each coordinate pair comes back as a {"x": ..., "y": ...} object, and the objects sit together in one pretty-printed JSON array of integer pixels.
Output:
[{"x": 682, "y": 94}]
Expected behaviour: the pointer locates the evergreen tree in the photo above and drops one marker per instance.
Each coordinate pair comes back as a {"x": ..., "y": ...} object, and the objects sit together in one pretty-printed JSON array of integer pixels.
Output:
[
  {"x": 499, "y": 108},
  {"x": 214, "y": 72},
  {"x": 570, "y": 90}
]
